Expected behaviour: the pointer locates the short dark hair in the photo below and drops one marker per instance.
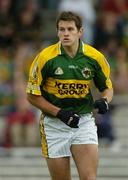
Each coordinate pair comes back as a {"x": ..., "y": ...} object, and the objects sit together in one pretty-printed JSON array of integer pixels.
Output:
[{"x": 69, "y": 16}]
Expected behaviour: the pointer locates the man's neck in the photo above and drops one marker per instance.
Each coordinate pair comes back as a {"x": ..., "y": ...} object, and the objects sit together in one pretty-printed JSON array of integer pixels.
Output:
[{"x": 72, "y": 50}]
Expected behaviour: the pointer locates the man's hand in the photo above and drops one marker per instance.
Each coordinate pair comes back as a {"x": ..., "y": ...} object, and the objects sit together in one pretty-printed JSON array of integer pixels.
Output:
[
  {"x": 102, "y": 105},
  {"x": 69, "y": 118}
]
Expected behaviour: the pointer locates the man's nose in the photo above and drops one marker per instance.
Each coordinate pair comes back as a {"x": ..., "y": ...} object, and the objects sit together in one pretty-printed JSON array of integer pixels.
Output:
[{"x": 66, "y": 33}]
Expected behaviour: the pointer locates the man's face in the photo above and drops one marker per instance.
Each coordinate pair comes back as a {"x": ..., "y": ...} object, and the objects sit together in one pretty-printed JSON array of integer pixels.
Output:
[{"x": 68, "y": 33}]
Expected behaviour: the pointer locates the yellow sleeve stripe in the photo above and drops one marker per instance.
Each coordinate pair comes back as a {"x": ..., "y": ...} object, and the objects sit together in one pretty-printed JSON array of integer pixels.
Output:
[
  {"x": 99, "y": 57},
  {"x": 35, "y": 76},
  {"x": 49, "y": 53}
]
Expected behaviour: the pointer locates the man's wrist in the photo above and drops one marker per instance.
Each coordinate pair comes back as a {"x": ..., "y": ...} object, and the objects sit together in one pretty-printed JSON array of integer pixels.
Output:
[
  {"x": 105, "y": 98},
  {"x": 102, "y": 105},
  {"x": 70, "y": 118},
  {"x": 56, "y": 112}
]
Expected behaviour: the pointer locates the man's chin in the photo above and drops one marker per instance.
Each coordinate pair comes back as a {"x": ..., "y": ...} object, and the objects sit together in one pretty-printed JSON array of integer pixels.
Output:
[{"x": 66, "y": 43}]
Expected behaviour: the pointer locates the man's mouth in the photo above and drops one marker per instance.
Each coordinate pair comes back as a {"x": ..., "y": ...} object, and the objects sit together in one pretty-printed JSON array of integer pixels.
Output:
[{"x": 66, "y": 39}]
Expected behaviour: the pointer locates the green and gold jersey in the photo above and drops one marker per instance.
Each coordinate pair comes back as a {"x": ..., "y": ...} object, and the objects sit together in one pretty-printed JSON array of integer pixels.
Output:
[{"x": 66, "y": 81}]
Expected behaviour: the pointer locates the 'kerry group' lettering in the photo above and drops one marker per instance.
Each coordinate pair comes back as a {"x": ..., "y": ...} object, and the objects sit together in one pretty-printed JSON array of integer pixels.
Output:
[{"x": 72, "y": 88}]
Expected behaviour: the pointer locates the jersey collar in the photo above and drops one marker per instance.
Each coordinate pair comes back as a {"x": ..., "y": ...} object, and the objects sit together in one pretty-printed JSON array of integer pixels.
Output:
[{"x": 62, "y": 51}]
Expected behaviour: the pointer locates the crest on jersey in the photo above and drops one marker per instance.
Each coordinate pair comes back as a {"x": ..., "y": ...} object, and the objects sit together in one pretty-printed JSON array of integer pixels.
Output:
[
  {"x": 86, "y": 72},
  {"x": 59, "y": 71}
]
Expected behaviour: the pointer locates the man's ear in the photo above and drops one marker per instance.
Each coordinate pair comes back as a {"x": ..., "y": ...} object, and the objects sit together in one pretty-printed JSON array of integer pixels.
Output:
[{"x": 81, "y": 31}]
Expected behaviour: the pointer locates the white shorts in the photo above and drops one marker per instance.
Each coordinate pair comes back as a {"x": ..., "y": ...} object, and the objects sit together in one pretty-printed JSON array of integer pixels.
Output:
[{"x": 57, "y": 137}]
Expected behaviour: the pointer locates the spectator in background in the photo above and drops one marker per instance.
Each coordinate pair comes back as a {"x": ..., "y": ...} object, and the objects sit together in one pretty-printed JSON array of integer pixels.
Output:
[
  {"x": 49, "y": 4},
  {"x": 27, "y": 38},
  {"x": 6, "y": 24},
  {"x": 105, "y": 128},
  {"x": 21, "y": 125},
  {"x": 107, "y": 28},
  {"x": 112, "y": 17},
  {"x": 29, "y": 23},
  {"x": 28, "y": 27},
  {"x": 86, "y": 10},
  {"x": 121, "y": 71},
  {"x": 117, "y": 56},
  {"x": 120, "y": 10},
  {"x": 6, "y": 81},
  {"x": 119, "y": 7},
  {"x": 109, "y": 34}
]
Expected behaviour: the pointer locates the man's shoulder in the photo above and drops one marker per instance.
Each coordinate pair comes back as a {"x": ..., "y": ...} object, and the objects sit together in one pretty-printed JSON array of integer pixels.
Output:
[
  {"x": 92, "y": 52},
  {"x": 50, "y": 51},
  {"x": 95, "y": 55}
]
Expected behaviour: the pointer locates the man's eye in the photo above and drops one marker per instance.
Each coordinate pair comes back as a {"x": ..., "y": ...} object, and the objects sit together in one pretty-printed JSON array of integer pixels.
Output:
[
  {"x": 70, "y": 29},
  {"x": 61, "y": 29}
]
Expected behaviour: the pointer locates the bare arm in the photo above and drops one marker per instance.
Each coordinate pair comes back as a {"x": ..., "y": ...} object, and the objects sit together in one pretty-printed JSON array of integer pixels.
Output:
[
  {"x": 108, "y": 94},
  {"x": 42, "y": 104}
]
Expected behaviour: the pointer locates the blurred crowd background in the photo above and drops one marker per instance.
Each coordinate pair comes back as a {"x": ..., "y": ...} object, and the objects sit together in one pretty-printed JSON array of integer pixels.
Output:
[{"x": 26, "y": 27}]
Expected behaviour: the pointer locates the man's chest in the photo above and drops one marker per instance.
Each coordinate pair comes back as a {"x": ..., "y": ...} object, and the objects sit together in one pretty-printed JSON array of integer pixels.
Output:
[{"x": 77, "y": 68}]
